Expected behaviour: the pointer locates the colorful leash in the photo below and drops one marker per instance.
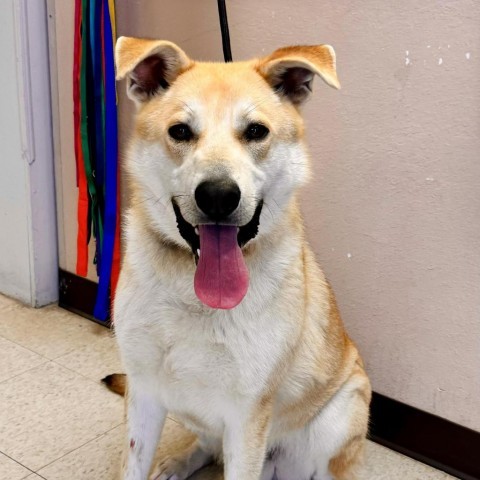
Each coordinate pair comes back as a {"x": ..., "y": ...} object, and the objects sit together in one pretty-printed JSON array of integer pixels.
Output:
[
  {"x": 96, "y": 145},
  {"x": 96, "y": 142}
]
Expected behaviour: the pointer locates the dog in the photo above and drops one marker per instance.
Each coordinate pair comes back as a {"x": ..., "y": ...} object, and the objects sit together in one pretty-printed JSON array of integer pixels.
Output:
[{"x": 222, "y": 316}]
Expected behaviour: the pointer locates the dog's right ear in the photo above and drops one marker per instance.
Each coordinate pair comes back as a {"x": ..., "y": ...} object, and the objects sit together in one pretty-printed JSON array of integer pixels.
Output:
[{"x": 149, "y": 65}]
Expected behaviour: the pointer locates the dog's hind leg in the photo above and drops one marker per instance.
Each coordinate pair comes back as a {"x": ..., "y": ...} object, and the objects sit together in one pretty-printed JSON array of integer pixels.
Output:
[
  {"x": 344, "y": 465},
  {"x": 331, "y": 445},
  {"x": 347, "y": 460}
]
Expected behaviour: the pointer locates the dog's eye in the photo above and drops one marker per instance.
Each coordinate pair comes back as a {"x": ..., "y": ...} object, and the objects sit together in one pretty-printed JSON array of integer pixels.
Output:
[
  {"x": 256, "y": 131},
  {"x": 180, "y": 132}
]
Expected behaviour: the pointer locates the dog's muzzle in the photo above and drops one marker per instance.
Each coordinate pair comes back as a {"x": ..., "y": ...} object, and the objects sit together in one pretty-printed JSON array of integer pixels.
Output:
[
  {"x": 188, "y": 231},
  {"x": 221, "y": 278}
]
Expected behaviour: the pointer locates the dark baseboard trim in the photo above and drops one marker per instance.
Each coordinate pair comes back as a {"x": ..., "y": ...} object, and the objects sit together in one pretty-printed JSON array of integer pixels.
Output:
[
  {"x": 78, "y": 295},
  {"x": 408, "y": 430},
  {"x": 425, "y": 437}
]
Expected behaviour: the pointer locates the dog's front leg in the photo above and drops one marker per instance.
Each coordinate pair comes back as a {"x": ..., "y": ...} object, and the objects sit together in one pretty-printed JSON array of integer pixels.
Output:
[
  {"x": 244, "y": 445},
  {"x": 145, "y": 419}
]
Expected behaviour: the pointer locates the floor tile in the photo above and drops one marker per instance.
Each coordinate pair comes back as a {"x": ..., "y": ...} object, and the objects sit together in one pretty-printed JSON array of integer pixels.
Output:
[
  {"x": 6, "y": 302},
  {"x": 99, "y": 459},
  {"x": 95, "y": 360},
  {"x": 384, "y": 464},
  {"x": 33, "y": 476},
  {"x": 49, "y": 331},
  {"x": 11, "y": 470},
  {"x": 15, "y": 359},
  {"x": 49, "y": 411}
]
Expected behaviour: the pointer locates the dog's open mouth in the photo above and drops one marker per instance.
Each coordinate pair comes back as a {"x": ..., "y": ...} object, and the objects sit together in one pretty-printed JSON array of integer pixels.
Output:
[{"x": 221, "y": 278}]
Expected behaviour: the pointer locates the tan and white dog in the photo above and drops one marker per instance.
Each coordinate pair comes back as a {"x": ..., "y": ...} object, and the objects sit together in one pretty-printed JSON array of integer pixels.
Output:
[{"x": 222, "y": 315}]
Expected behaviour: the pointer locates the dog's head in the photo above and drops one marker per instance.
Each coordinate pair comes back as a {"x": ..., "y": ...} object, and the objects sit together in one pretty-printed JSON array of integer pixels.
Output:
[{"x": 218, "y": 149}]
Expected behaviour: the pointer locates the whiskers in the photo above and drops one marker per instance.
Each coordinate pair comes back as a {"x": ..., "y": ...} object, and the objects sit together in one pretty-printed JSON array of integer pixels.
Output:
[
  {"x": 271, "y": 209},
  {"x": 161, "y": 201},
  {"x": 277, "y": 208}
]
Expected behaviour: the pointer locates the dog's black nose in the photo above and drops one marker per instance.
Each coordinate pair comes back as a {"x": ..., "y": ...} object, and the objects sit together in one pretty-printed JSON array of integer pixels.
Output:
[{"x": 217, "y": 199}]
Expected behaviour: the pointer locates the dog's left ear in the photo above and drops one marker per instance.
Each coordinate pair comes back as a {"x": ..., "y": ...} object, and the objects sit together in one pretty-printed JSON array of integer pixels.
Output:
[{"x": 290, "y": 70}]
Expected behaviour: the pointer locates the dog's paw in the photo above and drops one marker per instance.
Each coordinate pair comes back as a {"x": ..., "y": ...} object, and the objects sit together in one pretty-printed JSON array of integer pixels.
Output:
[
  {"x": 171, "y": 469},
  {"x": 181, "y": 465}
]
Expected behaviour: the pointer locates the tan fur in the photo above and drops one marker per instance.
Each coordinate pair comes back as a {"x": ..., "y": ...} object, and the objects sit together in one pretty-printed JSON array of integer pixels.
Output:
[
  {"x": 320, "y": 58},
  {"x": 117, "y": 383},
  {"x": 312, "y": 363}
]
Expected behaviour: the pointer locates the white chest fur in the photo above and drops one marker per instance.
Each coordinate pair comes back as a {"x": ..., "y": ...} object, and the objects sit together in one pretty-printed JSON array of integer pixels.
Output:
[{"x": 205, "y": 363}]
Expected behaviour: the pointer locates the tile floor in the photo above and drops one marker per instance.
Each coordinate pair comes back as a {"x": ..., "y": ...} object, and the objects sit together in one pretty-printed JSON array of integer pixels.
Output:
[{"x": 57, "y": 422}]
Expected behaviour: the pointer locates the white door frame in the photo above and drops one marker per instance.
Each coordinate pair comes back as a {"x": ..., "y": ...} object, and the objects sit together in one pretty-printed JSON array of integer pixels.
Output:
[{"x": 32, "y": 51}]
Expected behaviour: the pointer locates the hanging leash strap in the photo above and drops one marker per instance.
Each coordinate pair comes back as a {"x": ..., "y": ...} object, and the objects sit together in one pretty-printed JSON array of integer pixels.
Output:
[
  {"x": 222, "y": 13},
  {"x": 98, "y": 93},
  {"x": 83, "y": 207},
  {"x": 85, "y": 128},
  {"x": 96, "y": 149},
  {"x": 102, "y": 306},
  {"x": 116, "y": 248}
]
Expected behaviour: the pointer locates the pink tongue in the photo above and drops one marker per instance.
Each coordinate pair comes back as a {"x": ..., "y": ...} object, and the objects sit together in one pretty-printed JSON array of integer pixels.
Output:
[{"x": 221, "y": 279}]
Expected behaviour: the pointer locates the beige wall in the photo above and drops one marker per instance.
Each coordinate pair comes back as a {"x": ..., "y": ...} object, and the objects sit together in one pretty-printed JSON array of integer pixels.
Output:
[{"x": 394, "y": 211}]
